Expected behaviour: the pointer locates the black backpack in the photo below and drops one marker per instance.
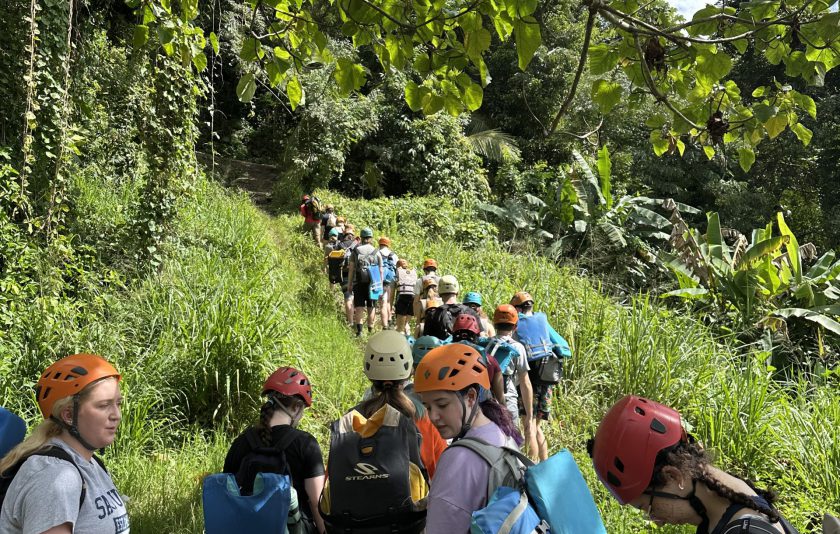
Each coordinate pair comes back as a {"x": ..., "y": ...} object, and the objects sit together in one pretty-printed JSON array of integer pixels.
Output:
[
  {"x": 53, "y": 452},
  {"x": 263, "y": 459},
  {"x": 438, "y": 321},
  {"x": 363, "y": 262}
]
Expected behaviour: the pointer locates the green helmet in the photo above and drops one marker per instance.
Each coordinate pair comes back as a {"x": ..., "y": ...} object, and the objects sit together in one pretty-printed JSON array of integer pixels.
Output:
[
  {"x": 388, "y": 356},
  {"x": 366, "y": 232}
]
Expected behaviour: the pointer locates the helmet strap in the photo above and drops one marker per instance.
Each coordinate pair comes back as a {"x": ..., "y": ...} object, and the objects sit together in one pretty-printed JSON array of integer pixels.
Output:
[
  {"x": 693, "y": 500},
  {"x": 73, "y": 427},
  {"x": 466, "y": 422}
]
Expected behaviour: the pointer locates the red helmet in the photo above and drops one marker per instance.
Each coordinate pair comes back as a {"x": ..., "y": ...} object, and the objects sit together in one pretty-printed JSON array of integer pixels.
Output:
[
  {"x": 466, "y": 321},
  {"x": 629, "y": 438},
  {"x": 290, "y": 382}
]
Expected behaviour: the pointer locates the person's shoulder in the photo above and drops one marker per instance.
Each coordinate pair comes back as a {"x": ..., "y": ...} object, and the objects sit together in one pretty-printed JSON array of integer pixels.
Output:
[{"x": 55, "y": 471}]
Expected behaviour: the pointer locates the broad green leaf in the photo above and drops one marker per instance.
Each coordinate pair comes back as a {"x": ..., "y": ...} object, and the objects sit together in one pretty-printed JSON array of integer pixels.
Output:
[
  {"x": 711, "y": 67},
  {"x": 605, "y": 173},
  {"x": 473, "y": 95},
  {"x": 709, "y": 151},
  {"x": 295, "y": 92},
  {"x": 704, "y": 28},
  {"x": 276, "y": 69},
  {"x": 714, "y": 238},
  {"x": 432, "y": 103},
  {"x": 761, "y": 90},
  {"x": 606, "y": 94},
  {"x": 656, "y": 121},
  {"x": 166, "y": 34},
  {"x": 802, "y": 133},
  {"x": 660, "y": 146},
  {"x": 746, "y": 158},
  {"x": 776, "y": 125},
  {"x": 823, "y": 265},
  {"x": 214, "y": 42},
  {"x": 776, "y": 52},
  {"x": 686, "y": 293},
  {"x": 764, "y": 112},
  {"x": 350, "y": 76},
  {"x": 141, "y": 35},
  {"x": 246, "y": 87},
  {"x": 476, "y": 42},
  {"x": 805, "y": 102},
  {"x": 414, "y": 95},
  {"x": 759, "y": 251},
  {"x": 602, "y": 59},
  {"x": 792, "y": 247},
  {"x": 251, "y": 50},
  {"x": 200, "y": 61},
  {"x": 526, "y": 31},
  {"x": 829, "y": 324}
]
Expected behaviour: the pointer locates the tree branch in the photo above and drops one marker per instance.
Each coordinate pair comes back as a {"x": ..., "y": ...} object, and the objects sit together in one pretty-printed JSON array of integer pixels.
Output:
[
  {"x": 654, "y": 90},
  {"x": 590, "y": 22}
]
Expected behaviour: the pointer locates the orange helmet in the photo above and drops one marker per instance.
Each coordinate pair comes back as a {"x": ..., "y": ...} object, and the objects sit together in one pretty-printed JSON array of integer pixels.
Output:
[
  {"x": 429, "y": 263},
  {"x": 69, "y": 376},
  {"x": 452, "y": 367},
  {"x": 505, "y": 314},
  {"x": 385, "y": 241},
  {"x": 340, "y": 220},
  {"x": 521, "y": 298},
  {"x": 429, "y": 281}
]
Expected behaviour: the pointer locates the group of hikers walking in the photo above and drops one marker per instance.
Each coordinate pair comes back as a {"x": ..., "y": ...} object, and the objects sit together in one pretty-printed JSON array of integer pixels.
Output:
[{"x": 432, "y": 445}]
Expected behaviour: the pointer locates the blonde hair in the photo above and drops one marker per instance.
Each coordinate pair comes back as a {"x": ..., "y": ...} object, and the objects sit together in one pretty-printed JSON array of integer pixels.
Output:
[
  {"x": 38, "y": 439},
  {"x": 45, "y": 431}
]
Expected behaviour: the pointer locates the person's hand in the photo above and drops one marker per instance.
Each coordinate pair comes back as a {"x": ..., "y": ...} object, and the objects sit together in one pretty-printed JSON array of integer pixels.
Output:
[{"x": 531, "y": 438}]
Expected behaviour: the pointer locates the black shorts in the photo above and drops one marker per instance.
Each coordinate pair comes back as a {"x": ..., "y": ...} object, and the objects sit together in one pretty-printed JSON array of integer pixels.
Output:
[
  {"x": 405, "y": 304},
  {"x": 361, "y": 296}
]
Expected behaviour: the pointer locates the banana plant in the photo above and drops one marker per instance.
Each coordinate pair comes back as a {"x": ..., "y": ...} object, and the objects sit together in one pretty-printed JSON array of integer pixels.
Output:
[{"x": 761, "y": 279}]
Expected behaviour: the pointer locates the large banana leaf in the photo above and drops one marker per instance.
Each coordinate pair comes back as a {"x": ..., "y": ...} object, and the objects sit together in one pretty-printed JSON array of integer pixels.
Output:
[
  {"x": 593, "y": 187},
  {"x": 823, "y": 265},
  {"x": 687, "y": 293},
  {"x": 810, "y": 315},
  {"x": 761, "y": 250},
  {"x": 648, "y": 217},
  {"x": 792, "y": 248},
  {"x": 714, "y": 239},
  {"x": 613, "y": 233}
]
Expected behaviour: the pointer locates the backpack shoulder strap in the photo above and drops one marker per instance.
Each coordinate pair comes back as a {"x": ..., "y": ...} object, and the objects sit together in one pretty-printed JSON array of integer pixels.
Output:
[
  {"x": 252, "y": 436},
  {"x": 283, "y": 443},
  {"x": 57, "y": 452},
  {"x": 504, "y": 462}
]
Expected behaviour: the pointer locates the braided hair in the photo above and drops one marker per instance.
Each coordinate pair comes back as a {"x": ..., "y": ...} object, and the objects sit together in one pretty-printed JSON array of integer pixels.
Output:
[
  {"x": 688, "y": 456},
  {"x": 275, "y": 401}
]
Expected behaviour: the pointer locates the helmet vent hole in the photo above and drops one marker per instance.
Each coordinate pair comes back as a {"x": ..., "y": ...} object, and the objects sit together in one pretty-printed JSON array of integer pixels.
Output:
[
  {"x": 442, "y": 373},
  {"x": 454, "y": 373},
  {"x": 66, "y": 378},
  {"x": 81, "y": 371},
  {"x": 382, "y": 358},
  {"x": 392, "y": 359},
  {"x": 46, "y": 393},
  {"x": 367, "y": 366},
  {"x": 619, "y": 464},
  {"x": 613, "y": 480},
  {"x": 57, "y": 376},
  {"x": 640, "y": 411},
  {"x": 477, "y": 369},
  {"x": 657, "y": 426}
]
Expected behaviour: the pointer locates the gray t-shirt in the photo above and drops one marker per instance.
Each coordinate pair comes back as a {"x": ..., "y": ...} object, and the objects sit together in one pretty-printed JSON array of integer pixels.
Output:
[
  {"x": 513, "y": 375},
  {"x": 45, "y": 494}
]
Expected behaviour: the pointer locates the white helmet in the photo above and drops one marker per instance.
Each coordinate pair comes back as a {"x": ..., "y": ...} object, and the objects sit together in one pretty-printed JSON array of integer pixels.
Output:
[
  {"x": 448, "y": 284},
  {"x": 388, "y": 356}
]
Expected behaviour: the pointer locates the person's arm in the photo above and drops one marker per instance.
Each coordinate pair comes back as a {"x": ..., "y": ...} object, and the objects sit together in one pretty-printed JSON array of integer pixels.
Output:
[
  {"x": 314, "y": 486},
  {"x": 498, "y": 387},
  {"x": 66, "y": 528},
  {"x": 527, "y": 392}
]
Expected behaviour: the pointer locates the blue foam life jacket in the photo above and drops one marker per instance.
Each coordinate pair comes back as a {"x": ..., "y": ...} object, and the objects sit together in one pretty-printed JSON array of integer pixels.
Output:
[
  {"x": 228, "y": 512},
  {"x": 534, "y": 334},
  {"x": 12, "y": 431}
]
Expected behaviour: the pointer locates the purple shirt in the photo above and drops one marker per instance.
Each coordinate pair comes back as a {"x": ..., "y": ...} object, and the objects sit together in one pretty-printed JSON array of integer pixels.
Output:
[{"x": 460, "y": 484}]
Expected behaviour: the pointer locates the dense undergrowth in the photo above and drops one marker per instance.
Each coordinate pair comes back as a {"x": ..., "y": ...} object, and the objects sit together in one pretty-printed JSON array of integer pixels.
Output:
[{"x": 239, "y": 293}]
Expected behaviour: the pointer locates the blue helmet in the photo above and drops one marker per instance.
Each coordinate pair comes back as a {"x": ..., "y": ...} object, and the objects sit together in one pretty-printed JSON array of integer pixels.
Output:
[
  {"x": 334, "y": 232},
  {"x": 473, "y": 297},
  {"x": 422, "y": 345}
]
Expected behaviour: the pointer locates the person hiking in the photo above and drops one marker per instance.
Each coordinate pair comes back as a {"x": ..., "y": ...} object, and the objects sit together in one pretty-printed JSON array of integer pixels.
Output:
[
  {"x": 288, "y": 393},
  {"x": 53, "y": 482},
  {"x": 404, "y": 302},
  {"x": 474, "y": 300},
  {"x": 333, "y": 251},
  {"x": 347, "y": 242},
  {"x": 452, "y": 381},
  {"x": 386, "y": 354},
  {"x": 466, "y": 330},
  {"x": 362, "y": 259},
  {"x": 427, "y": 298},
  {"x": 546, "y": 350},
  {"x": 340, "y": 223},
  {"x": 439, "y": 322},
  {"x": 377, "y": 478},
  {"x": 389, "y": 279},
  {"x": 515, "y": 370},
  {"x": 328, "y": 222},
  {"x": 310, "y": 211},
  {"x": 429, "y": 271},
  {"x": 646, "y": 459}
]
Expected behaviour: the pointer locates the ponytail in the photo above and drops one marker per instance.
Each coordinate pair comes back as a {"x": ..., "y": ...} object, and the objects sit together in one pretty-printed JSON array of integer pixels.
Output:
[{"x": 390, "y": 393}]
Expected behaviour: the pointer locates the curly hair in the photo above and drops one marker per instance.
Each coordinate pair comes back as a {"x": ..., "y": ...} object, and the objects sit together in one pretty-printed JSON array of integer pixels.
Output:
[{"x": 689, "y": 457}]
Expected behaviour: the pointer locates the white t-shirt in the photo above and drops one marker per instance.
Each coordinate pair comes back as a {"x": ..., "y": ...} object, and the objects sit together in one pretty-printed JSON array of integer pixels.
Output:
[{"x": 45, "y": 494}]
